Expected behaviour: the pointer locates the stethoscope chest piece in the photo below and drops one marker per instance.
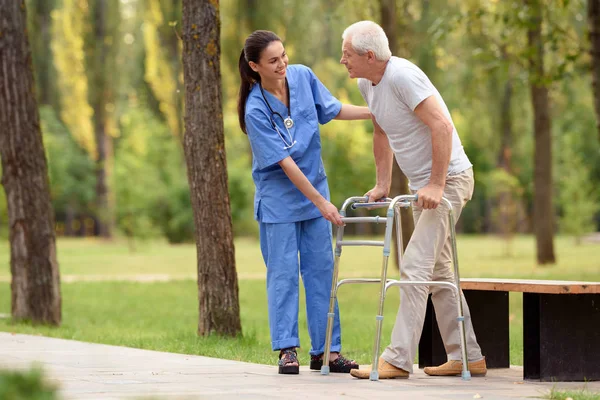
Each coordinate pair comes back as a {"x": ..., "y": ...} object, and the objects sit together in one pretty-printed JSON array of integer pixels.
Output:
[{"x": 288, "y": 122}]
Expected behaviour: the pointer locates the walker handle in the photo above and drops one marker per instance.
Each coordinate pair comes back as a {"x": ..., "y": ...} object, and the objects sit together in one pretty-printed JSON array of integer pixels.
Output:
[{"x": 383, "y": 202}]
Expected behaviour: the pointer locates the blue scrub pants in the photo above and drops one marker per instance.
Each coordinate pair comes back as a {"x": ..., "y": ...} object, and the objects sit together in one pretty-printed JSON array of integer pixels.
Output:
[{"x": 281, "y": 244}]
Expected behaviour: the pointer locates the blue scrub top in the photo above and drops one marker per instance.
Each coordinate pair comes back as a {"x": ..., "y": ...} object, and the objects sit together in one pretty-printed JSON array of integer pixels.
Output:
[{"x": 277, "y": 200}]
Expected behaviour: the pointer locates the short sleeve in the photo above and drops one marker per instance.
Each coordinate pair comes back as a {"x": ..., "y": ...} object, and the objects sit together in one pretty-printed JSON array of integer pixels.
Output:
[
  {"x": 412, "y": 86},
  {"x": 267, "y": 146},
  {"x": 328, "y": 107}
]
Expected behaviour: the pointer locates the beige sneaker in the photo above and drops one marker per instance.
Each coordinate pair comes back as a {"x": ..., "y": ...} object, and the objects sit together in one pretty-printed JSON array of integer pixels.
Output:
[
  {"x": 454, "y": 367},
  {"x": 385, "y": 369}
]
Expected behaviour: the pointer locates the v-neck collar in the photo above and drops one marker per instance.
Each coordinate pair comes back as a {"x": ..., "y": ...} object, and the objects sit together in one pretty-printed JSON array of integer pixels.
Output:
[
  {"x": 277, "y": 100},
  {"x": 278, "y": 105}
]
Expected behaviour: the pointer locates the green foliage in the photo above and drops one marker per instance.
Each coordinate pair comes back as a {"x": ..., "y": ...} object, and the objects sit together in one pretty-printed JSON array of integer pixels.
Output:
[
  {"x": 69, "y": 25},
  {"x": 70, "y": 169},
  {"x": 578, "y": 195},
  {"x": 150, "y": 180},
  {"x": 241, "y": 195},
  {"x": 504, "y": 190},
  {"x": 241, "y": 186},
  {"x": 470, "y": 49},
  {"x": 26, "y": 385},
  {"x": 163, "y": 70}
]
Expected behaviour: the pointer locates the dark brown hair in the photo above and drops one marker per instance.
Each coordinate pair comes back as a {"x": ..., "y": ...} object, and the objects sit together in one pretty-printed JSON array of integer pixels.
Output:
[{"x": 253, "y": 48}]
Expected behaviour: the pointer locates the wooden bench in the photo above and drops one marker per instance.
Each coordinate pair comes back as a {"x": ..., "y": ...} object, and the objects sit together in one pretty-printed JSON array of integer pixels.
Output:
[{"x": 561, "y": 327}]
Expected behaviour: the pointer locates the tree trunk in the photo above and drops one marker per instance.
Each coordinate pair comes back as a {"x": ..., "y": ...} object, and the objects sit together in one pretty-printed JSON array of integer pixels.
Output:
[
  {"x": 35, "y": 282},
  {"x": 504, "y": 156},
  {"x": 543, "y": 211},
  {"x": 101, "y": 97},
  {"x": 594, "y": 29},
  {"x": 204, "y": 146},
  {"x": 70, "y": 215},
  {"x": 399, "y": 180}
]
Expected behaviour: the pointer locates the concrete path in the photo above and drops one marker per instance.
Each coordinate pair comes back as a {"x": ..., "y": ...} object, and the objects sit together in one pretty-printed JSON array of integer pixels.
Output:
[{"x": 96, "y": 371}]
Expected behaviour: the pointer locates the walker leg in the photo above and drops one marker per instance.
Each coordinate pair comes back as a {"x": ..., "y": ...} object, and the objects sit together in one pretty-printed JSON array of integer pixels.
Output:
[
  {"x": 379, "y": 317},
  {"x": 330, "y": 317},
  {"x": 332, "y": 298},
  {"x": 466, "y": 374}
]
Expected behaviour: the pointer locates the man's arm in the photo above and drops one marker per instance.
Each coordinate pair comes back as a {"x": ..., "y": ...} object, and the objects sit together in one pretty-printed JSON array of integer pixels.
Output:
[
  {"x": 328, "y": 210},
  {"x": 430, "y": 112},
  {"x": 384, "y": 157}
]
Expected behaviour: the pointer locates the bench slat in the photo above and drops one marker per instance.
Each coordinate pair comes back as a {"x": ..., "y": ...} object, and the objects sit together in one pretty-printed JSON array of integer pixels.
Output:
[{"x": 530, "y": 286}]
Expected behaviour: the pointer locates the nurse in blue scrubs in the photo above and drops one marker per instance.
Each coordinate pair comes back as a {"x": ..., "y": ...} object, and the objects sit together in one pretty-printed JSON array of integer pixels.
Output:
[{"x": 280, "y": 109}]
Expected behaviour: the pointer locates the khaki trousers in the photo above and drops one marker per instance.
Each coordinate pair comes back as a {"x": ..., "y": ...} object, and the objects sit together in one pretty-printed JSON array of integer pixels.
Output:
[{"x": 428, "y": 257}]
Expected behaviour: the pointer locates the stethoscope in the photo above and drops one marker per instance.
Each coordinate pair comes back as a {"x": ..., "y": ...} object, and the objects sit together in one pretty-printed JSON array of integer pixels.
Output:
[{"x": 288, "y": 122}]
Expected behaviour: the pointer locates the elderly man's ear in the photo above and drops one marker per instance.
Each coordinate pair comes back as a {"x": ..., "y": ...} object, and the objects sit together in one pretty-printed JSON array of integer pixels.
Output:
[{"x": 371, "y": 56}]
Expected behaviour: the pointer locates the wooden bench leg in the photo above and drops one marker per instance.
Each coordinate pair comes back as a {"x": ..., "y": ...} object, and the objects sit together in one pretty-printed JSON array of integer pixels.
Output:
[
  {"x": 561, "y": 337},
  {"x": 489, "y": 314}
]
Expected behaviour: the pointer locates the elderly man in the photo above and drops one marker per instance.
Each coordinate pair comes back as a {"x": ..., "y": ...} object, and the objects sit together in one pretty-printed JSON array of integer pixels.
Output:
[{"x": 412, "y": 122}]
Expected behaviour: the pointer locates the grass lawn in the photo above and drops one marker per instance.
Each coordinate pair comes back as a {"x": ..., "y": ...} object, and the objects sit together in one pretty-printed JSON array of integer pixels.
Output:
[
  {"x": 479, "y": 256},
  {"x": 163, "y": 315},
  {"x": 581, "y": 394}
]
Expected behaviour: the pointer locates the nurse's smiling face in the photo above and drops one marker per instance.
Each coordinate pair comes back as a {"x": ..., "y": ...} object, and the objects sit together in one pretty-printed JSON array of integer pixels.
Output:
[{"x": 273, "y": 62}]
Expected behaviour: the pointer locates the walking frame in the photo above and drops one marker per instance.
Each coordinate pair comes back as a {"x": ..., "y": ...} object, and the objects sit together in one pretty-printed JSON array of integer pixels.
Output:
[{"x": 392, "y": 216}]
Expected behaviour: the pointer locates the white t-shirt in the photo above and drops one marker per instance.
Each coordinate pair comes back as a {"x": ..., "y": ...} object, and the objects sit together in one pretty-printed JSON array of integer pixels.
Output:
[{"x": 393, "y": 101}]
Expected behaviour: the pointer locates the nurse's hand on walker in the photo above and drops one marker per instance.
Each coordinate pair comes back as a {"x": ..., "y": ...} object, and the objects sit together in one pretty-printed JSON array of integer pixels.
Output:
[{"x": 328, "y": 210}]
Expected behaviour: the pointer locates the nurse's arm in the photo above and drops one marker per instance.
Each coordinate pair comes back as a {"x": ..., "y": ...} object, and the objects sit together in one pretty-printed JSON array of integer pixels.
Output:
[
  {"x": 348, "y": 112},
  {"x": 329, "y": 211}
]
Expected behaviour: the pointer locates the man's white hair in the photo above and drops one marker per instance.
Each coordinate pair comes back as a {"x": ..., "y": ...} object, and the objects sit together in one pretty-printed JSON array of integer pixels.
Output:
[{"x": 367, "y": 35}]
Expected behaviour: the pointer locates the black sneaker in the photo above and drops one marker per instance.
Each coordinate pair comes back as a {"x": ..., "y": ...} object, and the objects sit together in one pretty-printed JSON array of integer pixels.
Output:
[{"x": 340, "y": 364}]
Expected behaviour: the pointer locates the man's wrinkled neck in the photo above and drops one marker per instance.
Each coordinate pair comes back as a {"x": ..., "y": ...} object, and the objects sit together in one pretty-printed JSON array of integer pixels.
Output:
[{"x": 378, "y": 71}]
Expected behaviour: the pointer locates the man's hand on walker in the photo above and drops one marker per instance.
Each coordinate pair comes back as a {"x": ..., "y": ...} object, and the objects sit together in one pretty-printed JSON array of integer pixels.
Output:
[
  {"x": 430, "y": 196},
  {"x": 376, "y": 194},
  {"x": 330, "y": 213}
]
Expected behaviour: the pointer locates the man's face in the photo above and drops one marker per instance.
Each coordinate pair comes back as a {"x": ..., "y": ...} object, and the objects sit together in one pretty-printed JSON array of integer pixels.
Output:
[{"x": 355, "y": 63}]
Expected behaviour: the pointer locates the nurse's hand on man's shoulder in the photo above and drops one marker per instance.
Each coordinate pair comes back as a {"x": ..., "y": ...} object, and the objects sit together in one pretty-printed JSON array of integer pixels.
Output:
[{"x": 330, "y": 212}]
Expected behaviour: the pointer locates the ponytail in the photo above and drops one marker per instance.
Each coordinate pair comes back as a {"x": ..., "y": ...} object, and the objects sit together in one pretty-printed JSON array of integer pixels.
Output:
[
  {"x": 247, "y": 78},
  {"x": 253, "y": 48}
]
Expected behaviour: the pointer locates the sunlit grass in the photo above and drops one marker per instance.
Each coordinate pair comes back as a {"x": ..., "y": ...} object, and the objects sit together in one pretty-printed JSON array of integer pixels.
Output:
[{"x": 581, "y": 394}]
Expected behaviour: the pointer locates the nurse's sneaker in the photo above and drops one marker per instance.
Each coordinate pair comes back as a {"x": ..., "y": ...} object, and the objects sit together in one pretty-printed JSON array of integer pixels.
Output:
[
  {"x": 454, "y": 367},
  {"x": 340, "y": 364},
  {"x": 287, "y": 358}
]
